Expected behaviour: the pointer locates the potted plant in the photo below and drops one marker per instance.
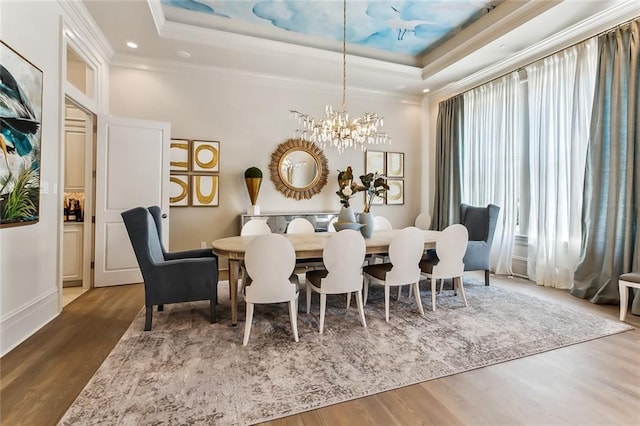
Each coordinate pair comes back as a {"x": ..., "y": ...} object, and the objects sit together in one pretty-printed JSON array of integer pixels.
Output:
[
  {"x": 375, "y": 185},
  {"x": 253, "y": 180}
]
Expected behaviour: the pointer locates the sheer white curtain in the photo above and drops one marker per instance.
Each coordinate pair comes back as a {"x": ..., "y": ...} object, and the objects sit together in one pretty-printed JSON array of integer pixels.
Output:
[
  {"x": 490, "y": 158},
  {"x": 560, "y": 97}
]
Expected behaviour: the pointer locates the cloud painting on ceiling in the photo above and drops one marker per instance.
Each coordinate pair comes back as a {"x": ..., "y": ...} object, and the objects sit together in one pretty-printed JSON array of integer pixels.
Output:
[{"x": 407, "y": 27}]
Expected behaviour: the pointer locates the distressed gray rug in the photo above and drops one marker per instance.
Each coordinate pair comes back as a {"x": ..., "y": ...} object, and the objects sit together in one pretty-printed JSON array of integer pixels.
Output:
[{"x": 187, "y": 371}]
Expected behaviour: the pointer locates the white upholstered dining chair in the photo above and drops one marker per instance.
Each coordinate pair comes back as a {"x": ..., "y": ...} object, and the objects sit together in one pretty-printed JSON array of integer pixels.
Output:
[
  {"x": 342, "y": 256},
  {"x": 269, "y": 261},
  {"x": 300, "y": 225},
  {"x": 405, "y": 251},
  {"x": 380, "y": 223},
  {"x": 255, "y": 227},
  {"x": 423, "y": 221},
  {"x": 451, "y": 245}
]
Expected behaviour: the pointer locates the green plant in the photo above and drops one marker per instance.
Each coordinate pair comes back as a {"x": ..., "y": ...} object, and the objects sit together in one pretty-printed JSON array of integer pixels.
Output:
[
  {"x": 21, "y": 202},
  {"x": 253, "y": 172},
  {"x": 375, "y": 185}
]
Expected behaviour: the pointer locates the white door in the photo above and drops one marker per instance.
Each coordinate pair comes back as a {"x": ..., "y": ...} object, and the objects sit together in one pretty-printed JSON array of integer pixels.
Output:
[{"x": 132, "y": 169}]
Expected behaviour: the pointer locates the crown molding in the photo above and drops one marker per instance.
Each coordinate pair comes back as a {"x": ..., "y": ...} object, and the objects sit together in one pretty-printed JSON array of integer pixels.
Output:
[
  {"x": 590, "y": 27},
  {"x": 504, "y": 18},
  {"x": 206, "y": 71},
  {"x": 157, "y": 14},
  {"x": 81, "y": 21}
]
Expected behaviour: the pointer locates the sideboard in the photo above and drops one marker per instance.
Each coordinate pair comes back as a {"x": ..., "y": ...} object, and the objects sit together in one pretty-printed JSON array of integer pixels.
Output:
[{"x": 278, "y": 222}]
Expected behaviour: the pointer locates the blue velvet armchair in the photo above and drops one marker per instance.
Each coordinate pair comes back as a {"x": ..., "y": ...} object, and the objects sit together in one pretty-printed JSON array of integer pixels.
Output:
[
  {"x": 169, "y": 277},
  {"x": 481, "y": 224}
]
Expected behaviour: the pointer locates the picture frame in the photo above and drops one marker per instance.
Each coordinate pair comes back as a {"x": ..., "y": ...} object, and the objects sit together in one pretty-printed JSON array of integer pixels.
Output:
[
  {"x": 395, "y": 164},
  {"x": 205, "y": 156},
  {"x": 395, "y": 194},
  {"x": 179, "y": 155},
  {"x": 179, "y": 190},
  {"x": 20, "y": 146},
  {"x": 374, "y": 162},
  {"x": 205, "y": 190}
]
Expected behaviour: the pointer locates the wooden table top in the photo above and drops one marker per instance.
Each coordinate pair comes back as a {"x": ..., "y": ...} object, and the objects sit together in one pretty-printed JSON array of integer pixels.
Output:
[{"x": 311, "y": 245}]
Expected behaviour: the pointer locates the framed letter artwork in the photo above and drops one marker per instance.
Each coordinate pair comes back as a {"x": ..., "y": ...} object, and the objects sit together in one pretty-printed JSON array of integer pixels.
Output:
[
  {"x": 205, "y": 156},
  {"x": 204, "y": 191},
  {"x": 178, "y": 190},
  {"x": 395, "y": 194},
  {"x": 20, "y": 139},
  {"x": 395, "y": 164},
  {"x": 374, "y": 162},
  {"x": 179, "y": 155}
]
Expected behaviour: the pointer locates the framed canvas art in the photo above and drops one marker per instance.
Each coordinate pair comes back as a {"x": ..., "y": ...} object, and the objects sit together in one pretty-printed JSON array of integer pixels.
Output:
[
  {"x": 395, "y": 164},
  {"x": 20, "y": 138},
  {"x": 395, "y": 194},
  {"x": 205, "y": 191},
  {"x": 179, "y": 155},
  {"x": 178, "y": 190},
  {"x": 374, "y": 162},
  {"x": 205, "y": 156}
]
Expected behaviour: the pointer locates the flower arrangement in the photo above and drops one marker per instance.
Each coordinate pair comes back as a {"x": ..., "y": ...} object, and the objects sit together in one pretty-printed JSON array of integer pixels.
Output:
[
  {"x": 347, "y": 187},
  {"x": 375, "y": 185}
]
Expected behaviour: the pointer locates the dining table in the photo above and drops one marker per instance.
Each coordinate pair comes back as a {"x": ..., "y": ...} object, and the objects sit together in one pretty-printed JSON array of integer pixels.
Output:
[{"x": 306, "y": 246}]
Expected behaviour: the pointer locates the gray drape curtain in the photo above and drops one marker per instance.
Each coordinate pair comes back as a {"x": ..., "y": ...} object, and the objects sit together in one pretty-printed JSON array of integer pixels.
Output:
[
  {"x": 611, "y": 210},
  {"x": 448, "y": 142}
]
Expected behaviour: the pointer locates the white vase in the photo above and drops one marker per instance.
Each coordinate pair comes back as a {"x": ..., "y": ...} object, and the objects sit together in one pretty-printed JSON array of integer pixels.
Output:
[
  {"x": 346, "y": 215},
  {"x": 366, "y": 219}
]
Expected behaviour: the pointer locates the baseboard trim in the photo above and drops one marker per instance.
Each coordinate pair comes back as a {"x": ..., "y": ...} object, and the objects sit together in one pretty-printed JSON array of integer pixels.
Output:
[{"x": 20, "y": 325}]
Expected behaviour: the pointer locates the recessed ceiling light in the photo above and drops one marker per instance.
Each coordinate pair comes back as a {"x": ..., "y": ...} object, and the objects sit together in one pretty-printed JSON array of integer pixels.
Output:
[
  {"x": 426, "y": 90},
  {"x": 132, "y": 45},
  {"x": 183, "y": 54}
]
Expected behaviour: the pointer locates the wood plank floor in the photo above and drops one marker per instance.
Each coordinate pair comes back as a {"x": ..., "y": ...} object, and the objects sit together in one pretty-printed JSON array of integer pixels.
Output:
[{"x": 593, "y": 383}]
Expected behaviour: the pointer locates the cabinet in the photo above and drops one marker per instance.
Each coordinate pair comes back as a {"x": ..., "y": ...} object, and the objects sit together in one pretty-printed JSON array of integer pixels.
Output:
[
  {"x": 72, "y": 252},
  {"x": 278, "y": 222}
]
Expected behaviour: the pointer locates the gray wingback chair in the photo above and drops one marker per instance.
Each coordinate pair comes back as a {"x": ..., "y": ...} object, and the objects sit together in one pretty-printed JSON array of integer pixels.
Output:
[
  {"x": 169, "y": 277},
  {"x": 481, "y": 224}
]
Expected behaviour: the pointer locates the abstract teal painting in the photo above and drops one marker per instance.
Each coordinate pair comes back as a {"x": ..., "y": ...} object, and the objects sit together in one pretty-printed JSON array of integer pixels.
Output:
[{"x": 20, "y": 125}]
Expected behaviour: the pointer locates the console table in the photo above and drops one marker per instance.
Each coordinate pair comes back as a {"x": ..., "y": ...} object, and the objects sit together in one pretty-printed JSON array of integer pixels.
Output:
[{"x": 278, "y": 222}]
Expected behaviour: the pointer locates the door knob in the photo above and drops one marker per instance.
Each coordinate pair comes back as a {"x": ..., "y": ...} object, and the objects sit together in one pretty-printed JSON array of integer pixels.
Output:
[{"x": 164, "y": 215}]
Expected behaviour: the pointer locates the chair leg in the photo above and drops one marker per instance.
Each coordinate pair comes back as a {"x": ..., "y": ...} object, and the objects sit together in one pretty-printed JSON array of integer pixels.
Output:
[
  {"x": 399, "y": 291},
  {"x": 160, "y": 308},
  {"x": 461, "y": 287},
  {"x": 293, "y": 316},
  {"x": 348, "y": 300},
  {"x": 486, "y": 277},
  {"x": 442, "y": 286},
  {"x": 433, "y": 293},
  {"x": 212, "y": 311},
  {"x": 366, "y": 290},
  {"x": 247, "y": 323},
  {"x": 624, "y": 294},
  {"x": 148, "y": 317},
  {"x": 386, "y": 302},
  {"x": 308, "y": 297},
  {"x": 323, "y": 307},
  {"x": 360, "y": 308},
  {"x": 416, "y": 285}
]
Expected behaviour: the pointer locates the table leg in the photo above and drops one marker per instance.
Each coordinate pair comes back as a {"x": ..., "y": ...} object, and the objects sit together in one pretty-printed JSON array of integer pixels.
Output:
[{"x": 234, "y": 271}]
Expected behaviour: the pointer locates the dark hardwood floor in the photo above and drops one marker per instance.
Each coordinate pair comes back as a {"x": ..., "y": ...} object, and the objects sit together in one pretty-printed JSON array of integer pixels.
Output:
[{"x": 593, "y": 383}]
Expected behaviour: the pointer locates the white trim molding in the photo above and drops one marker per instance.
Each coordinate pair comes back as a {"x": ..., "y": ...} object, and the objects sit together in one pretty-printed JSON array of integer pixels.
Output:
[{"x": 20, "y": 324}]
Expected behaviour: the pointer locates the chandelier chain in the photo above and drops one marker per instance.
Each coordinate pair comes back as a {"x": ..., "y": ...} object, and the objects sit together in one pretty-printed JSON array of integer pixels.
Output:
[{"x": 336, "y": 129}]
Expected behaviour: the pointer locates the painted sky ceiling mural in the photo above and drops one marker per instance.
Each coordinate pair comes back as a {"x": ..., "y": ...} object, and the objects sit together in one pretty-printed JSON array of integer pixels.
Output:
[{"x": 406, "y": 27}]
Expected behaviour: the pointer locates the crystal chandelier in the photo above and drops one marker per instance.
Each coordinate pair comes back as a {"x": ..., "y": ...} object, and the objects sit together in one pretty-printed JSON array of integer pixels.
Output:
[{"x": 336, "y": 129}]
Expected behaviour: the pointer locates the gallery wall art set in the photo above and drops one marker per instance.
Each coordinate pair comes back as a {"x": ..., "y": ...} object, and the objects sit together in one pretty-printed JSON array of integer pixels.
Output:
[
  {"x": 194, "y": 178},
  {"x": 391, "y": 165}
]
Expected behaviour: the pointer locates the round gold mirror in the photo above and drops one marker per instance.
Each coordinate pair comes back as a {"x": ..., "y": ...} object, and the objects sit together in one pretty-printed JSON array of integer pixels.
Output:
[{"x": 298, "y": 168}]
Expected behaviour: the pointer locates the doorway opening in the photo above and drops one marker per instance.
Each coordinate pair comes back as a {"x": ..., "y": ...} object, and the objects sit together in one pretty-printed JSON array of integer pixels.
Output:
[{"x": 78, "y": 201}]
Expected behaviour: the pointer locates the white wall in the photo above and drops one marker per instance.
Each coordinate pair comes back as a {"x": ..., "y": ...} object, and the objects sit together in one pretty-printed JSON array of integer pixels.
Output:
[
  {"x": 28, "y": 254},
  {"x": 249, "y": 115}
]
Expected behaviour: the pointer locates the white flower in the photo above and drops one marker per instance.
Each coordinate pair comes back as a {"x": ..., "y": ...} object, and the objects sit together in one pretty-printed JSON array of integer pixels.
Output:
[{"x": 347, "y": 191}]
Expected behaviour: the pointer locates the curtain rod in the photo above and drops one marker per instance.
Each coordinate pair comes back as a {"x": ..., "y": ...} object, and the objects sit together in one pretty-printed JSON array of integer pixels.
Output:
[{"x": 609, "y": 30}]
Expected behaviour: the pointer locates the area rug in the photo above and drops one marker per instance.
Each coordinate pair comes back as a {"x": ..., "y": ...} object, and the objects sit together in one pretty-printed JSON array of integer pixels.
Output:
[{"x": 187, "y": 371}]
